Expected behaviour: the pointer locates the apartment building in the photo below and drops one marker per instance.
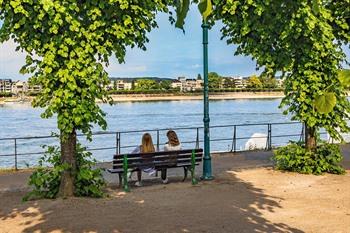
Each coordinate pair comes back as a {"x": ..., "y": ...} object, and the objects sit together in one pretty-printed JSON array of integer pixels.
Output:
[
  {"x": 6, "y": 85},
  {"x": 19, "y": 87},
  {"x": 241, "y": 82},
  {"x": 186, "y": 84}
]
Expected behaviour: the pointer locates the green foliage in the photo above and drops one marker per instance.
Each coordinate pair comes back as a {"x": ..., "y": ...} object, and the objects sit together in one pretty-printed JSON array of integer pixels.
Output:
[
  {"x": 229, "y": 83},
  {"x": 205, "y": 8},
  {"x": 294, "y": 157},
  {"x": 69, "y": 43},
  {"x": 214, "y": 80},
  {"x": 268, "y": 81},
  {"x": 302, "y": 40},
  {"x": 325, "y": 103},
  {"x": 165, "y": 85},
  {"x": 5, "y": 94},
  {"x": 146, "y": 84},
  {"x": 254, "y": 82},
  {"x": 46, "y": 179},
  {"x": 182, "y": 8},
  {"x": 344, "y": 78}
]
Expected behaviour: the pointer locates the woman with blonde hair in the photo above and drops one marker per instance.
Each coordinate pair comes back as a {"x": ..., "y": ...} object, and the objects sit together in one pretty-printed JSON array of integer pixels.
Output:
[
  {"x": 172, "y": 144},
  {"x": 145, "y": 147}
]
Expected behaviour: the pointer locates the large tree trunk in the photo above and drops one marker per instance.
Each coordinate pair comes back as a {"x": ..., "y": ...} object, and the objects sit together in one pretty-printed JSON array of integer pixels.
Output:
[
  {"x": 68, "y": 156},
  {"x": 310, "y": 138}
]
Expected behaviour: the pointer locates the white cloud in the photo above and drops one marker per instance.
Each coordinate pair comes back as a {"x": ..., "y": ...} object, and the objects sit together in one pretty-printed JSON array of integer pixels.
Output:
[
  {"x": 116, "y": 69},
  {"x": 196, "y": 66},
  {"x": 11, "y": 60}
]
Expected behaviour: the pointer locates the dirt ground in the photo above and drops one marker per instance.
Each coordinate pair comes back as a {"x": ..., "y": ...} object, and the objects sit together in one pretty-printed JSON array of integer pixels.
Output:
[{"x": 248, "y": 200}]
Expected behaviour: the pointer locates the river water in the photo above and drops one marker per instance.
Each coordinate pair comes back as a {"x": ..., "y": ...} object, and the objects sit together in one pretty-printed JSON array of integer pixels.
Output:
[{"x": 21, "y": 120}]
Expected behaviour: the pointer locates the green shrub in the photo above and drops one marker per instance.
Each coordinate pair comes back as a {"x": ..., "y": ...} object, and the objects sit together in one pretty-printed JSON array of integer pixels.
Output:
[
  {"x": 46, "y": 179},
  {"x": 5, "y": 94},
  {"x": 294, "y": 157}
]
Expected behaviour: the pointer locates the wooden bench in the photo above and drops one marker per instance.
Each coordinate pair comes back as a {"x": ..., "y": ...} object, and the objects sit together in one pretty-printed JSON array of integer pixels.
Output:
[{"x": 188, "y": 159}]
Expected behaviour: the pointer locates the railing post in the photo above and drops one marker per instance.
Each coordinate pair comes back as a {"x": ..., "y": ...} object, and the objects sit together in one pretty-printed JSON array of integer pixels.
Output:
[
  {"x": 269, "y": 140},
  {"x": 234, "y": 139},
  {"x": 116, "y": 143},
  {"x": 16, "y": 167},
  {"x": 119, "y": 143},
  {"x": 270, "y": 137},
  {"x": 302, "y": 135},
  {"x": 197, "y": 139},
  {"x": 157, "y": 140}
]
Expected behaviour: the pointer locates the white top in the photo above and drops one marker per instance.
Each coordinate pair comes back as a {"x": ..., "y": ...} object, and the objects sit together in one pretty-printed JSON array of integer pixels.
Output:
[{"x": 168, "y": 147}]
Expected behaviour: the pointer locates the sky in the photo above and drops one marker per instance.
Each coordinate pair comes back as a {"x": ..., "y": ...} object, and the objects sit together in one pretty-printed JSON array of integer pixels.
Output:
[{"x": 170, "y": 54}]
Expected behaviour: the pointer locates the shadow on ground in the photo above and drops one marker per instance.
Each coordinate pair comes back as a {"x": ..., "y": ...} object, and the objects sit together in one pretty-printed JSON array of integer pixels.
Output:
[{"x": 226, "y": 204}]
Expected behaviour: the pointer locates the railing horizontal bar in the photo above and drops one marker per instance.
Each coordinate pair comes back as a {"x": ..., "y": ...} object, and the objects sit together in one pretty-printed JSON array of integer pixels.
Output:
[
  {"x": 100, "y": 148},
  {"x": 7, "y": 155},
  {"x": 154, "y": 130},
  {"x": 287, "y": 135}
]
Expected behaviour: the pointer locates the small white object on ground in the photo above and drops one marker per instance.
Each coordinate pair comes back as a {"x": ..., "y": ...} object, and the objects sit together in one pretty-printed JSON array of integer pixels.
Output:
[{"x": 256, "y": 141}]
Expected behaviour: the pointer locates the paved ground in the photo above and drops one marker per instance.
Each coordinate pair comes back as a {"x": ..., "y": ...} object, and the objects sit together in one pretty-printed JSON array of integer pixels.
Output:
[
  {"x": 257, "y": 199},
  {"x": 221, "y": 162}
]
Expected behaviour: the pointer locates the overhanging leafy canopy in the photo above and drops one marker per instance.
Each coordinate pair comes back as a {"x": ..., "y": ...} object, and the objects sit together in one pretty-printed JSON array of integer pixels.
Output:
[{"x": 69, "y": 42}]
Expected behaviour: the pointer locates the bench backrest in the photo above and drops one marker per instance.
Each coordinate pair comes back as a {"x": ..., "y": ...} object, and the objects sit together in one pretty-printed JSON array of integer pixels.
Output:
[{"x": 158, "y": 159}]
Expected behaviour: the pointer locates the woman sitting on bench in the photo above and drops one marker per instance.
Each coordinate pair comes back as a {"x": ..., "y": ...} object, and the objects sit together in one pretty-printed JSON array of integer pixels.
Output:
[
  {"x": 172, "y": 144},
  {"x": 146, "y": 147}
]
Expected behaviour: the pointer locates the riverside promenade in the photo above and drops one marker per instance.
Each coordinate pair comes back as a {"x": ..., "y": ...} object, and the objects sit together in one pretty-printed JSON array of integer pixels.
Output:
[{"x": 247, "y": 195}]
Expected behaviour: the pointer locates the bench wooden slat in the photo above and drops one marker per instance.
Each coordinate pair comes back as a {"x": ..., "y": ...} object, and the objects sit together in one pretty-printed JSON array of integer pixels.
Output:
[
  {"x": 159, "y": 153},
  {"x": 158, "y": 158},
  {"x": 120, "y": 170},
  {"x": 169, "y": 163}
]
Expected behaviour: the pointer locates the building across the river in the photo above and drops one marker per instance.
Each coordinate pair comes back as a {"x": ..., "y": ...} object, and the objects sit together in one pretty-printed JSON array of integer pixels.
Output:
[{"x": 6, "y": 85}]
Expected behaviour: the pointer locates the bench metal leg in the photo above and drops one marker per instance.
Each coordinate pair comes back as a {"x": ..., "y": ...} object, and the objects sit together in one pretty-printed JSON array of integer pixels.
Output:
[
  {"x": 125, "y": 174},
  {"x": 185, "y": 174},
  {"x": 193, "y": 166},
  {"x": 120, "y": 180},
  {"x": 163, "y": 173}
]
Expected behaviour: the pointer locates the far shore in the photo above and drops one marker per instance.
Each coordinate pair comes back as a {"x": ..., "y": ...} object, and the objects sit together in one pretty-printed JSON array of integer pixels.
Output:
[
  {"x": 175, "y": 97},
  {"x": 212, "y": 96}
]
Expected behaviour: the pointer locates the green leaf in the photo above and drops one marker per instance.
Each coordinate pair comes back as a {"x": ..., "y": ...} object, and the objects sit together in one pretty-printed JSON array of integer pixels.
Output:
[
  {"x": 205, "y": 8},
  {"x": 325, "y": 103},
  {"x": 182, "y": 8},
  {"x": 344, "y": 78}
]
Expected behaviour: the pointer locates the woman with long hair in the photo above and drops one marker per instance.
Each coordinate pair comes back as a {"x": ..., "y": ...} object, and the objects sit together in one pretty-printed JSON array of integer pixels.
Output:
[
  {"x": 172, "y": 144},
  {"x": 145, "y": 147}
]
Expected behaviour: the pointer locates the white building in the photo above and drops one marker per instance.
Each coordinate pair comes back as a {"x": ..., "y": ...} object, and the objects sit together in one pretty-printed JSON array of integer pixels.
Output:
[
  {"x": 176, "y": 84},
  {"x": 120, "y": 84},
  {"x": 6, "y": 85},
  {"x": 188, "y": 84},
  {"x": 19, "y": 87},
  {"x": 240, "y": 82}
]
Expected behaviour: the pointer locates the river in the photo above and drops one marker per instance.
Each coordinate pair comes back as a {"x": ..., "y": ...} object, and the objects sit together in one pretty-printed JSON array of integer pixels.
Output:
[{"x": 21, "y": 120}]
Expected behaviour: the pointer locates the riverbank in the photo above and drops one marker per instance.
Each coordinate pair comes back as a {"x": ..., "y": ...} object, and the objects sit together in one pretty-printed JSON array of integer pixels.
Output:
[
  {"x": 171, "y": 97},
  {"x": 197, "y": 96}
]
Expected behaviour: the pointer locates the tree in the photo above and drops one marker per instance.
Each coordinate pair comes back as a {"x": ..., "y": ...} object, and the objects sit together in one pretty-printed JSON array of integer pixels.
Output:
[
  {"x": 302, "y": 40},
  {"x": 214, "y": 80},
  {"x": 229, "y": 83},
  {"x": 146, "y": 84},
  {"x": 68, "y": 43},
  {"x": 254, "y": 82},
  {"x": 268, "y": 81},
  {"x": 199, "y": 77},
  {"x": 165, "y": 85}
]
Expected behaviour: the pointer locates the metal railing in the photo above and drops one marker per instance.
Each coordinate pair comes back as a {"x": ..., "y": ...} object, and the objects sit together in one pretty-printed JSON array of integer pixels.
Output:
[{"x": 232, "y": 136}]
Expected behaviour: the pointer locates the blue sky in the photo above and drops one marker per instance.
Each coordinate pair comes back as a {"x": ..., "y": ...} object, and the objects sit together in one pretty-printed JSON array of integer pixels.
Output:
[{"x": 170, "y": 53}]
